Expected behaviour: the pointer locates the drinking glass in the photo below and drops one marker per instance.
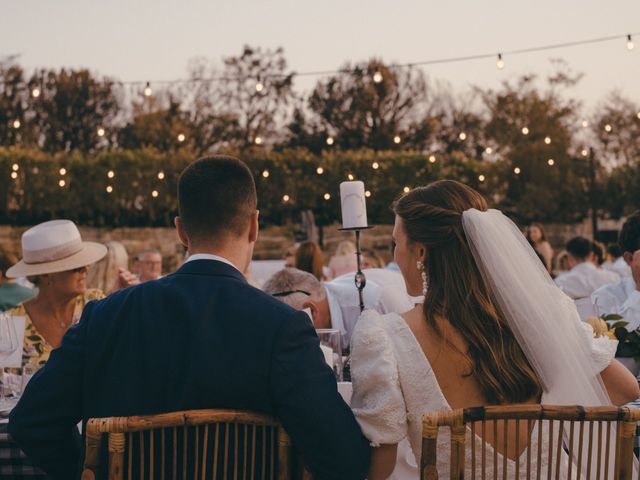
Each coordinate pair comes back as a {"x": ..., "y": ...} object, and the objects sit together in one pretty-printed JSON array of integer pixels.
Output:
[{"x": 331, "y": 346}]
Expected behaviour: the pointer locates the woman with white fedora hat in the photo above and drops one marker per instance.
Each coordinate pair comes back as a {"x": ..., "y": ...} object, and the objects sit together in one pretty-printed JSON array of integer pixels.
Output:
[{"x": 54, "y": 255}]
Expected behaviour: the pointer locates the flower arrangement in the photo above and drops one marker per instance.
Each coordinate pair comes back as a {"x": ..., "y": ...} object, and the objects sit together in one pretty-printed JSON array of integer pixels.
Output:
[{"x": 613, "y": 326}]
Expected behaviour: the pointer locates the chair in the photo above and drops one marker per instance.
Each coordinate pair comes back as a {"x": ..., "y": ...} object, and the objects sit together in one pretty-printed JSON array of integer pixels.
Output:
[
  {"x": 195, "y": 444},
  {"x": 575, "y": 432}
]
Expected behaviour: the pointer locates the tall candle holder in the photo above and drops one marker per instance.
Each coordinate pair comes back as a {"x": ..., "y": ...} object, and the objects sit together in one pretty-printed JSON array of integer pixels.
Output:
[{"x": 360, "y": 278}]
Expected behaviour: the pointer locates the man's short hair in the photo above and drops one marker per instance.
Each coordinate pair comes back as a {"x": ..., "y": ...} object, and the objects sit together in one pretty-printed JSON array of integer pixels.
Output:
[
  {"x": 614, "y": 250},
  {"x": 216, "y": 197},
  {"x": 630, "y": 234},
  {"x": 294, "y": 287},
  {"x": 578, "y": 247}
]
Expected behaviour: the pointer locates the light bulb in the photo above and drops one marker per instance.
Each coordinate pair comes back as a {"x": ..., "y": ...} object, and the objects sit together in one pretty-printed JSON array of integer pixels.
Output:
[
  {"x": 15, "y": 167},
  {"x": 327, "y": 196},
  {"x": 109, "y": 189},
  {"x": 462, "y": 136},
  {"x": 488, "y": 150},
  {"x": 111, "y": 174},
  {"x": 638, "y": 115},
  {"x": 500, "y": 62},
  {"x": 63, "y": 171},
  {"x": 547, "y": 140},
  {"x": 319, "y": 170},
  {"x": 101, "y": 132},
  {"x": 160, "y": 175},
  {"x": 607, "y": 128},
  {"x": 285, "y": 198},
  {"x": 367, "y": 194},
  {"x": 377, "y": 77},
  {"x": 629, "y": 43},
  {"x": 406, "y": 189},
  {"x": 396, "y": 139},
  {"x": 62, "y": 183},
  {"x": 585, "y": 124},
  {"x": 265, "y": 173},
  {"x": 16, "y": 124},
  {"x": 154, "y": 194},
  {"x": 432, "y": 158},
  {"x": 551, "y": 162},
  {"x": 147, "y": 90},
  {"x": 525, "y": 130},
  {"x": 350, "y": 177},
  {"x": 481, "y": 178},
  {"x": 375, "y": 165},
  {"x": 14, "y": 175},
  {"x": 258, "y": 141},
  {"x": 35, "y": 93},
  {"x": 329, "y": 140},
  {"x": 181, "y": 137},
  {"x": 517, "y": 171},
  {"x": 584, "y": 152},
  {"x": 259, "y": 87}
]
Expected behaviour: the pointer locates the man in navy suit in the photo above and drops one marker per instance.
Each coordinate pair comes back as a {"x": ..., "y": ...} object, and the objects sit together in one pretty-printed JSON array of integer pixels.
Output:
[{"x": 198, "y": 338}]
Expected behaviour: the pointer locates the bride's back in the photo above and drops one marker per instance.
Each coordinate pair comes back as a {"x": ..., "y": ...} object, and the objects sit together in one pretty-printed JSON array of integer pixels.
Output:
[{"x": 473, "y": 352}]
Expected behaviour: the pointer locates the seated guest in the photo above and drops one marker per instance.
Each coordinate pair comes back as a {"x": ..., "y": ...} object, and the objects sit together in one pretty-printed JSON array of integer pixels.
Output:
[
  {"x": 537, "y": 238},
  {"x": 598, "y": 253},
  {"x": 371, "y": 259},
  {"x": 105, "y": 274},
  {"x": 616, "y": 262},
  {"x": 199, "y": 338},
  {"x": 584, "y": 277},
  {"x": 148, "y": 265},
  {"x": 336, "y": 304},
  {"x": 55, "y": 258},
  {"x": 309, "y": 258},
  {"x": 344, "y": 260},
  {"x": 290, "y": 257},
  {"x": 623, "y": 297},
  {"x": 11, "y": 293}
]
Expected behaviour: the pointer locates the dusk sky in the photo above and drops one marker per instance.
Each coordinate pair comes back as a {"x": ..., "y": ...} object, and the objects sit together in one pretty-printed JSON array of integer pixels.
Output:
[{"x": 153, "y": 40}]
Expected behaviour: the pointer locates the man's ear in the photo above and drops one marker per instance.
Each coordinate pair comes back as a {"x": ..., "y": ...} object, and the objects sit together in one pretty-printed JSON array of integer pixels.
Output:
[
  {"x": 182, "y": 234},
  {"x": 254, "y": 227},
  {"x": 628, "y": 257}
]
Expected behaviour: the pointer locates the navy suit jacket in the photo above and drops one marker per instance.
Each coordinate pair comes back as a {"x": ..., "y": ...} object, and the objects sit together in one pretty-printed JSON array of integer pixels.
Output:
[{"x": 198, "y": 338}]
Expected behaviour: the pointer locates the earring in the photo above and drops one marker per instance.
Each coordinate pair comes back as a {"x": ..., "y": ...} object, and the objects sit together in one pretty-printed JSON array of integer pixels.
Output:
[{"x": 423, "y": 274}]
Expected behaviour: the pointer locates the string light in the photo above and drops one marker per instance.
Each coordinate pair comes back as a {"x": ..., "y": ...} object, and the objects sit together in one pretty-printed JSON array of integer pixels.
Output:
[
  {"x": 638, "y": 115},
  {"x": 551, "y": 162},
  {"x": 259, "y": 87},
  {"x": 16, "y": 124},
  {"x": 285, "y": 198},
  {"x": 329, "y": 140},
  {"x": 62, "y": 183},
  {"x": 258, "y": 141},
  {"x": 327, "y": 196},
  {"x": 154, "y": 194},
  {"x": 377, "y": 77},
  {"x": 462, "y": 136},
  {"x": 147, "y": 90},
  {"x": 14, "y": 175},
  {"x": 160, "y": 175},
  {"x": 63, "y": 171},
  {"x": 481, "y": 178},
  {"x": 406, "y": 189},
  {"x": 488, "y": 150},
  {"x": 367, "y": 194},
  {"x": 35, "y": 93},
  {"x": 584, "y": 152},
  {"x": 629, "y": 43},
  {"x": 265, "y": 173},
  {"x": 15, "y": 167},
  {"x": 517, "y": 170},
  {"x": 607, "y": 128},
  {"x": 319, "y": 170},
  {"x": 432, "y": 158},
  {"x": 525, "y": 130},
  {"x": 375, "y": 165},
  {"x": 181, "y": 137},
  {"x": 500, "y": 62},
  {"x": 111, "y": 174},
  {"x": 547, "y": 140},
  {"x": 350, "y": 177},
  {"x": 101, "y": 132},
  {"x": 585, "y": 124},
  {"x": 396, "y": 139},
  {"x": 109, "y": 189}
]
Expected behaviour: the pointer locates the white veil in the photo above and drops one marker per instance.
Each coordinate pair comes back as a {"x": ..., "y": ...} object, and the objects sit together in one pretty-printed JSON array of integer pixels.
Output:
[{"x": 543, "y": 319}]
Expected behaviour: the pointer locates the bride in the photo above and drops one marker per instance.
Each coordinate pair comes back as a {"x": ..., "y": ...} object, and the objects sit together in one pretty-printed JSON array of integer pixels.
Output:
[{"x": 493, "y": 330}]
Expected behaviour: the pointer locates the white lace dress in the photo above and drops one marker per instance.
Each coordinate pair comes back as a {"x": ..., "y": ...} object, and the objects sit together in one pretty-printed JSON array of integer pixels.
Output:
[{"x": 394, "y": 386}]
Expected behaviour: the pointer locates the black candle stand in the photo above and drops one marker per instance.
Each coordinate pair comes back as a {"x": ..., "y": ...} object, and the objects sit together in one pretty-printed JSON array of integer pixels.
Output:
[{"x": 360, "y": 279}]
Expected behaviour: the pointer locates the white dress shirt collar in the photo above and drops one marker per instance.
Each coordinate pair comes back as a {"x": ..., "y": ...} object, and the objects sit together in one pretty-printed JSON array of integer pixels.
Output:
[{"x": 209, "y": 256}]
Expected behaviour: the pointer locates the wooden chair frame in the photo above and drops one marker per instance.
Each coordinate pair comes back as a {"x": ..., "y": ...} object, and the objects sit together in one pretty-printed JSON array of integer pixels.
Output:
[
  {"x": 458, "y": 420},
  {"x": 117, "y": 427}
]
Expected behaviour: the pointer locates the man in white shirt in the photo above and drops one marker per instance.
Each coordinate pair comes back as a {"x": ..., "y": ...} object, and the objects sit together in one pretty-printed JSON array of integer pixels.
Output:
[
  {"x": 336, "y": 304},
  {"x": 616, "y": 262},
  {"x": 623, "y": 297},
  {"x": 584, "y": 277}
]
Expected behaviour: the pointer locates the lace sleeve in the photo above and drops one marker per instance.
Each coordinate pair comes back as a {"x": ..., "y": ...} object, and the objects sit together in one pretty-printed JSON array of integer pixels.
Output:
[{"x": 377, "y": 401}]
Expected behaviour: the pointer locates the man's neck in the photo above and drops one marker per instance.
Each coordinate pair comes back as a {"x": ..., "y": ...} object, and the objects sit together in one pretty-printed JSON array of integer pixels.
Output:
[{"x": 237, "y": 258}]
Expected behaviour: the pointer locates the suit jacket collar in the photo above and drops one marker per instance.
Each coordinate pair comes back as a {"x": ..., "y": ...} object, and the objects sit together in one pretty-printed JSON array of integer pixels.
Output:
[{"x": 210, "y": 267}]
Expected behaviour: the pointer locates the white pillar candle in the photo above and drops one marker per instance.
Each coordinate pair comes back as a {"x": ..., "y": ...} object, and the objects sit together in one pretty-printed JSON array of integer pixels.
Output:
[{"x": 354, "y": 207}]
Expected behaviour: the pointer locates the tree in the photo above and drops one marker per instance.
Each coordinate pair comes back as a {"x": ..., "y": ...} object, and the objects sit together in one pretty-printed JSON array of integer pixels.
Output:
[
  {"x": 616, "y": 126},
  {"x": 13, "y": 105}
]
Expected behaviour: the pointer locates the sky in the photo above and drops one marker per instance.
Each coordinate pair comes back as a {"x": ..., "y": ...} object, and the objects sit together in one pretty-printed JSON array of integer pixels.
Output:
[{"x": 154, "y": 39}]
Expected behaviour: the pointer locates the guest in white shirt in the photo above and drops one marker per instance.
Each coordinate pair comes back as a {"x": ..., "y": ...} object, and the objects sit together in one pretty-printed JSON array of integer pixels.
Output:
[
  {"x": 584, "y": 277},
  {"x": 336, "y": 304},
  {"x": 616, "y": 262},
  {"x": 623, "y": 297}
]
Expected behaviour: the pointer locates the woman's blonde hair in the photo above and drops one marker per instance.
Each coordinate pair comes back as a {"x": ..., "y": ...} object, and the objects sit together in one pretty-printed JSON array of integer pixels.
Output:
[{"x": 103, "y": 274}]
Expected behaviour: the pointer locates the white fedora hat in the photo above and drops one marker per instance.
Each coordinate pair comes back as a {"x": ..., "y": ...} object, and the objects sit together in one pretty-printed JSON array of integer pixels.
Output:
[{"x": 52, "y": 247}]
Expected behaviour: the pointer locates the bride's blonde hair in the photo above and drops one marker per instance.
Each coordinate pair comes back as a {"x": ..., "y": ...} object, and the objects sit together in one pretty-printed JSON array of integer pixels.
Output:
[{"x": 432, "y": 216}]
